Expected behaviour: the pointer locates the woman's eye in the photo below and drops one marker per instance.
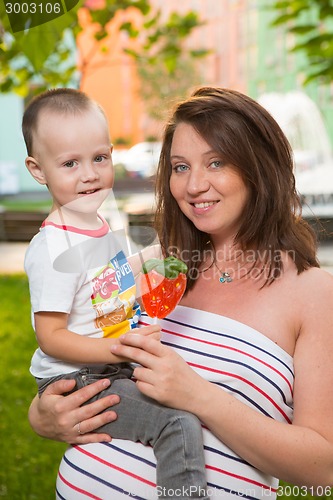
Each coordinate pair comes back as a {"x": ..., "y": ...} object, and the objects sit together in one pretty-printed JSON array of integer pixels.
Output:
[
  {"x": 180, "y": 168},
  {"x": 70, "y": 164},
  {"x": 216, "y": 164}
]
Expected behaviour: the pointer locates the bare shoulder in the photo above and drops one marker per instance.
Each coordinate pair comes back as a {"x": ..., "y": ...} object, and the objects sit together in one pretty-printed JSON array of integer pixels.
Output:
[
  {"x": 316, "y": 277},
  {"x": 314, "y": 292},
  {"x": 310, "y": 281}
]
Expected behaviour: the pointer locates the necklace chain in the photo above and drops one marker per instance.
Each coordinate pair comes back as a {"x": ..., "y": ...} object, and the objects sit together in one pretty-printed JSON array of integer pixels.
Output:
[
  {"x": 224, "y": 276},
  {"x": 207, "y": 268}
]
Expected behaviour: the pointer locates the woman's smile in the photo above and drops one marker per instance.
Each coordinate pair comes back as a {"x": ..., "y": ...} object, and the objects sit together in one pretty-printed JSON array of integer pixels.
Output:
[
  {"x": 203, "y": 207},
  {"x": 211, "y": 193}
]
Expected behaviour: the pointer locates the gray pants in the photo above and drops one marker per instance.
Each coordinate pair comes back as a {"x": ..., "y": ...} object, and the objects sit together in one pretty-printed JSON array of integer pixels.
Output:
[{"x": 176, "y": 436}]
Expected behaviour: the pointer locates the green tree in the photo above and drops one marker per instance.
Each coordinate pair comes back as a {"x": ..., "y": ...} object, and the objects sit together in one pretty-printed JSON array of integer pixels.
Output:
[
  {"x": 157, "y": 86},
  {"x": 43, "y": 56},
  {"x": 166, "y": 70},
  {"x": 311, "y": 21}
]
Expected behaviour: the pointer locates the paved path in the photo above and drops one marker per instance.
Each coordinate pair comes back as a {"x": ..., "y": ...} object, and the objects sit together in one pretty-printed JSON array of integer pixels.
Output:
[{"x": 12, "y": 257}]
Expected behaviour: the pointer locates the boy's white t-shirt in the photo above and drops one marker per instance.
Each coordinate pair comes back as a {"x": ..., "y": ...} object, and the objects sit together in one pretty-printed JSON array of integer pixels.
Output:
[{"x": 86, "y": 275}]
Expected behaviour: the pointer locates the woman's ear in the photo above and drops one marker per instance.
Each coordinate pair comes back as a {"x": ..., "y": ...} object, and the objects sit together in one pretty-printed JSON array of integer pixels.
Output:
[{"x": 35, "y": 170}]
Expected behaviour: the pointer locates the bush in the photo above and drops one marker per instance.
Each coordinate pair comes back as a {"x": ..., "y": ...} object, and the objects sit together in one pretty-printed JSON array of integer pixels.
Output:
[{"x": 28, "y": 463}]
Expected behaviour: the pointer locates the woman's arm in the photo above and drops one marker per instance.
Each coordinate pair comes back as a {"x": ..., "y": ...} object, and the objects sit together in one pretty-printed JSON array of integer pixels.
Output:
[
  {"x": 57, "y": 341},
  {"x": 55, "y": 416}
]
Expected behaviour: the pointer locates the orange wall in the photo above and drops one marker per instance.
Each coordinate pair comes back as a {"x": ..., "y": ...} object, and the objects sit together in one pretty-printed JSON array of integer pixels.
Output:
[
  {"x": 110, "y": 76},
  {"x": 112, "y": 80}
]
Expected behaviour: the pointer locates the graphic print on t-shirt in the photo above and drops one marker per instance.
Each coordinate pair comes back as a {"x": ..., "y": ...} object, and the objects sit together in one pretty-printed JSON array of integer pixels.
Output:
[{"x": 113, "y": 297}]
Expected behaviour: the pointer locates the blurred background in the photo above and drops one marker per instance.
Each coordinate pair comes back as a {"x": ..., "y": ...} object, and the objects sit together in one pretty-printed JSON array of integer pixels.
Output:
[{"x": 136, "y": 58}]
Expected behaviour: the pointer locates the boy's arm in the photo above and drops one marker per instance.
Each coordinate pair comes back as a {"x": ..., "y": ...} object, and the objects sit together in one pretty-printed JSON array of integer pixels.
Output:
[
  {"x": 136, "y": 260},
  {"x": 57, "y": 341}
]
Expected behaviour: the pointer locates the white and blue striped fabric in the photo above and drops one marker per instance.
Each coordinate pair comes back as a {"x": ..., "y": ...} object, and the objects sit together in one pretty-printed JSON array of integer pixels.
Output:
[{"x": 232, "y": 355}]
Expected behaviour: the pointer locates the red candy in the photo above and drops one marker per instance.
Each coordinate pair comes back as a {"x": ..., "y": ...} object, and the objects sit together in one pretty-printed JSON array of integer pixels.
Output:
[{"x": 162, "y": 286}]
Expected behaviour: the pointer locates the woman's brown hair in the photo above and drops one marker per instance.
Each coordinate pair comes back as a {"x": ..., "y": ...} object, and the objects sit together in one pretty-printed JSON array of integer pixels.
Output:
[{"x": 246, "y": 136}]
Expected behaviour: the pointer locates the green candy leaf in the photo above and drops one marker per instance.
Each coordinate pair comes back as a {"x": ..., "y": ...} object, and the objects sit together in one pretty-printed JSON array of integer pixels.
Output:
[
  {"x": 150, "y": 264},
  {"x": 169, "y": 267},
  {"x": 173, "y": 267}
]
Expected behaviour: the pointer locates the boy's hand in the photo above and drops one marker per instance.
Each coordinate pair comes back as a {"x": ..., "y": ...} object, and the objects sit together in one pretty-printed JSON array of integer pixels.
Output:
[{"x": 153, "y": 331}]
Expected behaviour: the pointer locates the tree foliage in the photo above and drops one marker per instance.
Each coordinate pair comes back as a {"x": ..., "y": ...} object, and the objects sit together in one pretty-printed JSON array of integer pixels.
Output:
[
  {"x": 311, "y": 21},
  {"x": 166, "y": 70},
  {"x": 43, "y": 56}
]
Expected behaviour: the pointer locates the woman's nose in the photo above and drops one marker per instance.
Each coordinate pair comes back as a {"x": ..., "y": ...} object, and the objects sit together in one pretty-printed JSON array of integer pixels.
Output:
[{"x": 197, "y": 182}]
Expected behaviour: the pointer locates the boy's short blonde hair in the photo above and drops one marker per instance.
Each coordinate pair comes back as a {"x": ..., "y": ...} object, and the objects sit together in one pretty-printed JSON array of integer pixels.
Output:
[{"x": 62, "y": 100}]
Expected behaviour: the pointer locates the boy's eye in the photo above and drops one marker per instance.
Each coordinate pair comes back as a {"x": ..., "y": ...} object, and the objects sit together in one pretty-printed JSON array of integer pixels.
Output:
[
  {"x": 100, "y": 158},
  {"x": 70, "y": 164}
]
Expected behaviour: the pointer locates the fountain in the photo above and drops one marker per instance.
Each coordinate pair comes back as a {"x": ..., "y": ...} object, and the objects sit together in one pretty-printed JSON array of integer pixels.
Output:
[{"x": 301, "y": 121}]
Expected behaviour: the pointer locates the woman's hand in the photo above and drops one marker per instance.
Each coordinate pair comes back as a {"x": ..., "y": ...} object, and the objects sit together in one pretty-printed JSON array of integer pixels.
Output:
[
  {"x": 154, "y": 331},
  {"x": 163, "y": 374},
  {"x": 62, "y": 418}
]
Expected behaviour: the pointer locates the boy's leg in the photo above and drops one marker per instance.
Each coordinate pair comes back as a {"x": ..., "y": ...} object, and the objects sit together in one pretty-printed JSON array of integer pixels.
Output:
[{"x": 176, "y": 437}]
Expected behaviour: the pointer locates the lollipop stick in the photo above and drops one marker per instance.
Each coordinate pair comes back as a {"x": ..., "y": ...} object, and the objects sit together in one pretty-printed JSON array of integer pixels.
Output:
[{"x": 155, "y": 320}]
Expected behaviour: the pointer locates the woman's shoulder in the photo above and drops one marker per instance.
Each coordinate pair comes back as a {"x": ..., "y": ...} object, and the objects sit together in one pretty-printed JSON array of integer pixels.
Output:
[
  {"x": 314, "y": 289},
  {"x": 316, "y": 276},
  {"x": 310, "y": 277},
  {"x": 314, "y": 283},
  {"x": 312, "y": 301}
]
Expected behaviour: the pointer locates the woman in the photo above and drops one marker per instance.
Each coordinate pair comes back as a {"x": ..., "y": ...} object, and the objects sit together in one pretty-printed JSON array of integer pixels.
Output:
[{"x": 249, "y": 350}]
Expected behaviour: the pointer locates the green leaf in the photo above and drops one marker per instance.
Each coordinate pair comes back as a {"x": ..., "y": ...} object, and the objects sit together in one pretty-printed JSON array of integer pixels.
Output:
[
  {"x": 302, "y": 29},
  {"x": 200, "y": 53},
  {"x": 102, "y": 16},
  {"x": 150, "y": 23},
  {"x": 101, "y": 34},
  {"x": 7, "y": 85},
  {"x": 130, "y": 29},
  {"x": 132, "y": 52},
  {"x": 325, "y": 12},
  {"x": 283, "y": 4},
  {"x": 22, "y": 89}
]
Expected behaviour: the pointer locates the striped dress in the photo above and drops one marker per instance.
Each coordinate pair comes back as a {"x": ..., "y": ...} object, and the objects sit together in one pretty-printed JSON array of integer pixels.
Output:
[{"x": 241, "y": 361}]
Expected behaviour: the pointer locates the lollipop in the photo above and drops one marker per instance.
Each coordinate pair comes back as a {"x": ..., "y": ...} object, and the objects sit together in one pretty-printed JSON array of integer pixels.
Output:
[{"x": 163, "y": 284}]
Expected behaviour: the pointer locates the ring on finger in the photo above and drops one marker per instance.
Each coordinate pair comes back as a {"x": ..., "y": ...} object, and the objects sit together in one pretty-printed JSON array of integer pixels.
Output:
[{"x": 78, "y": 429}]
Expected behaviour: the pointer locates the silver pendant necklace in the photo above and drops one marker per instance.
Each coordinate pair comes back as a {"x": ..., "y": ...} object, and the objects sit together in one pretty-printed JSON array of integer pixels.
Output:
[{"x": 224, "y": 276}]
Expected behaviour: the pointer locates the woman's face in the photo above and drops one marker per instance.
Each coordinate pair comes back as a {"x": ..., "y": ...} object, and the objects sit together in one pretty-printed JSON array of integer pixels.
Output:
[{"x": 211, "y": 193}]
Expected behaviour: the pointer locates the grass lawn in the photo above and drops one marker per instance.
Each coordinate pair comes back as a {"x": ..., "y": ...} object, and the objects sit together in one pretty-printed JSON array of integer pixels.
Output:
[
  {"x": 26, "y": 205},
  {"x": 29, "y": 463}
]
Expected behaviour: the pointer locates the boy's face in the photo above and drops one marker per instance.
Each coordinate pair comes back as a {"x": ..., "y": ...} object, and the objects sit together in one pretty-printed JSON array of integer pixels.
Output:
[{"x": 73, "y": 158}]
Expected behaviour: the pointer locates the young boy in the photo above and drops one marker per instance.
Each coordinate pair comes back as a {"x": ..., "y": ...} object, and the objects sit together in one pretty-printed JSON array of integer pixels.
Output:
[{"x": 82, "y": 287}]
